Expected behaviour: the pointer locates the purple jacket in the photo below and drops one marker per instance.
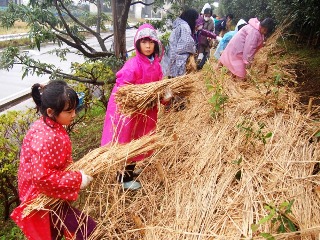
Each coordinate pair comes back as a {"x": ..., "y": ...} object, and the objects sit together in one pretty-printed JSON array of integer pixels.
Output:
[{"x": 137, "y": 70}]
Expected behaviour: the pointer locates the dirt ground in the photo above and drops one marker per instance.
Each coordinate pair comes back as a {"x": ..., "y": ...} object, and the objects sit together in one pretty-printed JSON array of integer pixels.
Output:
[{"x": 308, "y": 79}]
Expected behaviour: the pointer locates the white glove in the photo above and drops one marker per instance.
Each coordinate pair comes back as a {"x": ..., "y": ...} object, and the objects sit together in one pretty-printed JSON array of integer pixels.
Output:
[
  {"x": 86, "y": 180},
  {"x": 200, "y": 56},
  {"x": 219, "y": 38},
  {"x": 167, "y": 95}
]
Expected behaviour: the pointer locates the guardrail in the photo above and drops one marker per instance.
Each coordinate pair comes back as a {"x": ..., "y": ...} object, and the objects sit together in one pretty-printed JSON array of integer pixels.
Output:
[{"x": 13, "y": 36}]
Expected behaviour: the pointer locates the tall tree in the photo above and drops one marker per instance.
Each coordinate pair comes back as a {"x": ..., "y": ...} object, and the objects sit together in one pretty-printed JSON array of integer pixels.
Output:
[{"x": 120, "y": 11}]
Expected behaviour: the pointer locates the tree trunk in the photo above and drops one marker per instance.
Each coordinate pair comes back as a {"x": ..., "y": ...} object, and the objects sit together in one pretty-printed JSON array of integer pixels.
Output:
[{"x": 120, "y": 11}]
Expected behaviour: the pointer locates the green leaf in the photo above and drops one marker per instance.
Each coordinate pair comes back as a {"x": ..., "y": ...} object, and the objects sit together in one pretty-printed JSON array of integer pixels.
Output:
[
  {"x": 317, "y": 134},
  {"x": 281, "y": 228},
  {"x": 254, "y": 227},
  {"x": 284, "y": 205},
  {"x": 25, "y": 73},
  {"x": 288, "y": 210},
  {"x": 37, "y": 43},
  {"x": 290, "y": 224},
  {"x": 267, "y": 218},
  {"x": 268, "y": 135}
]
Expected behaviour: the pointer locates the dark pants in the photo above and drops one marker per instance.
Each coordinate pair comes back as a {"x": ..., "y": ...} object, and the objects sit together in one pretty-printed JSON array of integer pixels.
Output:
[
  {"x": 69, "y": 222},
  {"x": 128, "y": 174},
  {"x": 203, "y": 60}
]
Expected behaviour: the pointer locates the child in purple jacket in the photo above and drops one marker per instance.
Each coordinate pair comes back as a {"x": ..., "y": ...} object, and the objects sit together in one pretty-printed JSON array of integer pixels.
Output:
[{"x": 199, "y": 35}]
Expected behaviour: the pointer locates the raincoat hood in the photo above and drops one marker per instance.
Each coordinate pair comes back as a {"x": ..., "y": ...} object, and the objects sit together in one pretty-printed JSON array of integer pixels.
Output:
[
  {"x": 207, "y": 5},
  {"x": 147, "y": 31},
  {"x": 199, "y": 21},
  {"x": 254, "y": 22},
  {"x": 240, "y": 22}
]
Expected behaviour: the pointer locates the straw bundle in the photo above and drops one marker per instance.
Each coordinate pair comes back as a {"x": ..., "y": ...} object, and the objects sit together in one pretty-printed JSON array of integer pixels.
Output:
[
  {"x": 101, "y": 159},
  {"x": 191, "y": 65},
  {"x": 139, "y": 98}
]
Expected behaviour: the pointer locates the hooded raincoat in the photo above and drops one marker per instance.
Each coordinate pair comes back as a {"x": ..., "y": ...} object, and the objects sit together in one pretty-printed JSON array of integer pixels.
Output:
[
  {"x": 44, "y": 156},
  {"x": 137, "y": 70},
  {"x": 241, "y": 49}
]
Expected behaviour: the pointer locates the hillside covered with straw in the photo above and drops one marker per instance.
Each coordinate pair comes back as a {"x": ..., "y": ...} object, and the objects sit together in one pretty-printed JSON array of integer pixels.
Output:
[{"x": 242, "y": 165}]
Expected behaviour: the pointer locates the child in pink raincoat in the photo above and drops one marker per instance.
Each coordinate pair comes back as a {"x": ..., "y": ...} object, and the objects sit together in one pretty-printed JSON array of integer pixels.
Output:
[
  {"x": 241, "y": 49},
  {"x": 143, "y": 68},
  {"x": 45, "y": 154}
]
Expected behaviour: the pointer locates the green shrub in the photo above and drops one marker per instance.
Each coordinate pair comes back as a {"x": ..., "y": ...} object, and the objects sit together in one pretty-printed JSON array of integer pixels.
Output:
[{"x": 13, "y": 127}]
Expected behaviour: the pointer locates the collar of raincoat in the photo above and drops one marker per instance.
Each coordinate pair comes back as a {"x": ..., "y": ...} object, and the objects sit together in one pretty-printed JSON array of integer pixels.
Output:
[
  {"x": 51, "y": 123},
  {"x": 254, "y": 22},
  {"x": 147, "y": 30}
]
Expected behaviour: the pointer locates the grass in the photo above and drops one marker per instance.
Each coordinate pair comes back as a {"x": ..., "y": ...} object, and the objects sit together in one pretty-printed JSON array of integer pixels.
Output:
[
  {"x": 15, "y": 43},
  {"x": 87, "y": 134},
  {"x": 19, "y": 27}
]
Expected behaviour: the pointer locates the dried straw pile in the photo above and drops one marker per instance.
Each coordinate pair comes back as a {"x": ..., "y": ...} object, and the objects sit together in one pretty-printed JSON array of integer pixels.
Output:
[{"x": 199, "y": 193}]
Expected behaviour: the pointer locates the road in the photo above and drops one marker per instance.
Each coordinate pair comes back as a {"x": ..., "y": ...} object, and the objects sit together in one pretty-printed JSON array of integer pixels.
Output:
[{"x": 14, "y": 87}]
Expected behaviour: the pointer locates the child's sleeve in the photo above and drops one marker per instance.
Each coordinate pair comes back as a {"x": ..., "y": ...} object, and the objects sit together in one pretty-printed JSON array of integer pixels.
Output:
[
  {"x": 208, "y": 34},
  {"x": 48, "y": 169},
  {"x": 127, "y": 74}
]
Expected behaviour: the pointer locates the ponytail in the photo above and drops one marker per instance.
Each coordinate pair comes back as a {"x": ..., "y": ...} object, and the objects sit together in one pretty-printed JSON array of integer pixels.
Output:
[
  {"x": 36, "y": 95},
  {"x": 56, "y": 95}
]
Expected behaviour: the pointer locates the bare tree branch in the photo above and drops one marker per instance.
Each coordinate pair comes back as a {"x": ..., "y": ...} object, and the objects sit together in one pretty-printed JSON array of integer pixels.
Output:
[
  {"x": 75, "y": 38},
  {"x": 145, "y": 4},
  {"x": 84, "y": 52},
  {"x": 96, "y": 34},
  {"x": 77, "y": 20},
  {"x": 107, "y": 37}
]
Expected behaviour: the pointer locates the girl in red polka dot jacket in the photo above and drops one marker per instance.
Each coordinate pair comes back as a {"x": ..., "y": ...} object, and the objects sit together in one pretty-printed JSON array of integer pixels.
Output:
[{"x": 44, "y": 156}]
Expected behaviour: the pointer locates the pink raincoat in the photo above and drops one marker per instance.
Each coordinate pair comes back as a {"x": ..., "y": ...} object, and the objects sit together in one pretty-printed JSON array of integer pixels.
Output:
[
  {"x": 242, "y": 48},
  {"x": 137, "y": 70},
  {"x": 45, "y": 154}
]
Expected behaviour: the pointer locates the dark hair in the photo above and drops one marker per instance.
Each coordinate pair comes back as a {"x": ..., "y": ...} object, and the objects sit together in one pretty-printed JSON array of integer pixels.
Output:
[
  {"x": 156, "y": 46},
  {"x": 190, "y": 16},
  {"x": 208, "y": 11},
  {"x": 230, "y": 16},
  {"x": 56, "y": 95},
  {"x": 214, "y": 15},
  {"x": 267, "y": 23}
]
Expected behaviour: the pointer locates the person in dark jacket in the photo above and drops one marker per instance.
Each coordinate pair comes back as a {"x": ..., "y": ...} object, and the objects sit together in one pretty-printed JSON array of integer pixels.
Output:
[
  {"x": 204, "y": 41},
  {"x": 223, "y": 25}
]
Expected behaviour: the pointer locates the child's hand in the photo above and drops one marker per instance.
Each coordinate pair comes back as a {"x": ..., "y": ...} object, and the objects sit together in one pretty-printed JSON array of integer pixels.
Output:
[
  {"x": 168, "y": 94},
  {"x": 86, "y": 180}
]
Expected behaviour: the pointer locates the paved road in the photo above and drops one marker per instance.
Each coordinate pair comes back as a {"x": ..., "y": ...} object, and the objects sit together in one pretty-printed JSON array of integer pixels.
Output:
[{"x": 12, "y": 85}]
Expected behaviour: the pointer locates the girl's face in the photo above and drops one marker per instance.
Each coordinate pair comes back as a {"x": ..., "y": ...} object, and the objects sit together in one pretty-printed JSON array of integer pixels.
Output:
[
  {"x": 147, "y": 46},
  {"x": 263, "y": 30},
  {"x": 66, "y": 117}
]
